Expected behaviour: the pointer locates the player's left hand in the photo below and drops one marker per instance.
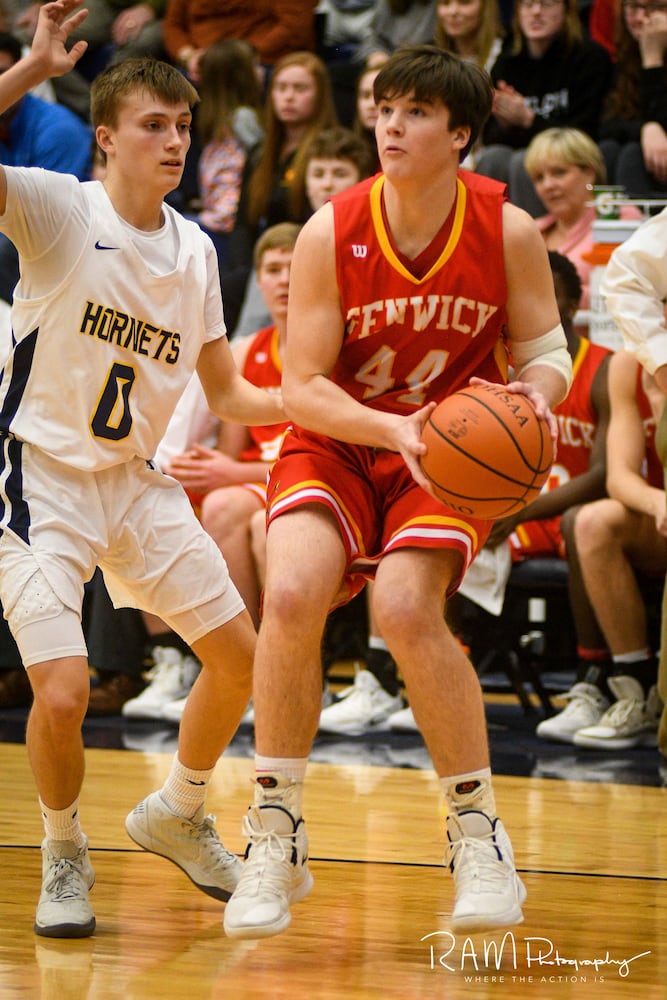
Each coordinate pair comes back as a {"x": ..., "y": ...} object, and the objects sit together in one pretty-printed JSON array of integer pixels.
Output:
[
  {"x": 536, "y": 398},
  {"x": 203, "y": 469}
]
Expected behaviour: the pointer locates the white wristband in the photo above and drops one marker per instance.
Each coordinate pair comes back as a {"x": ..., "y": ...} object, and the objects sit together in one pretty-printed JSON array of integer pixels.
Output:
[{"x": 549, "y": 349}]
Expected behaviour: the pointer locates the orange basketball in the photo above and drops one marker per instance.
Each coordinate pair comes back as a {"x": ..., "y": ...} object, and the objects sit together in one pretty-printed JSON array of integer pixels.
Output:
[{"x": 488, "y": 452}]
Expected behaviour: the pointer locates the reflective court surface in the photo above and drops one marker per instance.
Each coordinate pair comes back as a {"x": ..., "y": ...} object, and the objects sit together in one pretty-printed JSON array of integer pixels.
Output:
[{"x": 592, "y": 852}]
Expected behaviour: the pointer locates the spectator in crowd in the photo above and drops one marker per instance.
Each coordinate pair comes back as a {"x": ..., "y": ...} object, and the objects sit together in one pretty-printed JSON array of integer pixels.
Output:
[
  {"x": 614, "y": 703},
  {"x": 35, "y": 133},
  {"x": 633, "y": 131},
  {"x": 113, "y": 30},
  {"x": 299, "y": 104},
  {"x": 230, "y": 132},
  {"x": 564, "y": 164},
  {"x": 395, "y": 22},
  {"x": 366, "y": 112},
  {"x": 346, "y": 23},
  {"x": 635, "y": 290},
  {"x": 273, "y": 27},
  {"x": 336, "y": 159},
  {"x": 471, "y": 29},
  {"x": 550, "y": 76}
]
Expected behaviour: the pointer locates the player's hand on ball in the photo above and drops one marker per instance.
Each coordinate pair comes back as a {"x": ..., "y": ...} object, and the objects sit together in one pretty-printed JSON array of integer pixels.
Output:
[
  {"x": 537, "y": 399},
  {"x": 409, "y": 444}
]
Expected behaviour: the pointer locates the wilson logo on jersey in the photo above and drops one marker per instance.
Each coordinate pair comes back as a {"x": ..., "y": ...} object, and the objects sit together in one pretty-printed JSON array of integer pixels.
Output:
[{"x": 359, "y": 250}]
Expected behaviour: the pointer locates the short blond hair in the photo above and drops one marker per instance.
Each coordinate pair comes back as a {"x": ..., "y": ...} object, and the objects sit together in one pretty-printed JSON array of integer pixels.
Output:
[{"x": 567, "y": 145}]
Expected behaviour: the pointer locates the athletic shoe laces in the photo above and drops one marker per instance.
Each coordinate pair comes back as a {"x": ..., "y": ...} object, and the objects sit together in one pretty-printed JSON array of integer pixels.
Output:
[
  {"x": 206, "y": 836},
  {"x": 270, "y": 857},
  {"x": 622, "y": 711},
  {"x": 478, "y": 858},
  {"x": 64, "y": 881}
]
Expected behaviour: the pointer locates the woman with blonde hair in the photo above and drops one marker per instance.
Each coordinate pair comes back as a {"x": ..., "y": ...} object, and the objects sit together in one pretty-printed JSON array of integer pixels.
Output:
[
  {"x": 564, "y": 164},
  {"x": 470, "y": 29}
]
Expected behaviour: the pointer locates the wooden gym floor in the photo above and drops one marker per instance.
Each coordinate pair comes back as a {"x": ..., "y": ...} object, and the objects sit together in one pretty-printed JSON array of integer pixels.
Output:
[{"x": 593, "y": 855}]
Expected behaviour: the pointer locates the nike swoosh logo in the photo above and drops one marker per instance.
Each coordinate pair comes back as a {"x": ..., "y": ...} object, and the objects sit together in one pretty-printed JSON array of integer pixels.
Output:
[
  {"x": 191, "y": 782},
  {"x": 101, "y": 246}
]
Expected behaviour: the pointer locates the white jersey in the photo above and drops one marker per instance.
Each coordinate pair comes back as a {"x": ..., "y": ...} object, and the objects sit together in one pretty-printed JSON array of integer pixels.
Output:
[
  {"x": 634, "y": 287},
  {"x": 103, "y": 345}
]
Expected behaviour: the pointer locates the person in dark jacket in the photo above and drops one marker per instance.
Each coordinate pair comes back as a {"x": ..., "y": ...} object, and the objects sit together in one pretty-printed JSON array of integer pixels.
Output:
[{"x": 550, "y": 76}]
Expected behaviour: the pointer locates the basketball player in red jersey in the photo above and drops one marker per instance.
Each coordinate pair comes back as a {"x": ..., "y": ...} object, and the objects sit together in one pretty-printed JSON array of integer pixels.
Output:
[
  {"x": 402, "y": 290},
  {"x": 546, "y": 526}
]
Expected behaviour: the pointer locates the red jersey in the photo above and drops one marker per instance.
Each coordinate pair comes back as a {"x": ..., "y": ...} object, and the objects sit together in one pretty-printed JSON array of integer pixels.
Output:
[
  {"x": 577, "y": 423},
  {"x": 263, "y": 367},
  {"x": 416, "y": 331}
]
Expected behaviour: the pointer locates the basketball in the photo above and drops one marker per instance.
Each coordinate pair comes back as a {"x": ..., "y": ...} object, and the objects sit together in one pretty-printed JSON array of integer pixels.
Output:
[{"x": 488, "y": 452}]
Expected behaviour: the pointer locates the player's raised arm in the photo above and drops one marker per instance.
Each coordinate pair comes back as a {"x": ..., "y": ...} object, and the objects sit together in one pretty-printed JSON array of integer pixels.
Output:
[{"x": 48, "y": 57}]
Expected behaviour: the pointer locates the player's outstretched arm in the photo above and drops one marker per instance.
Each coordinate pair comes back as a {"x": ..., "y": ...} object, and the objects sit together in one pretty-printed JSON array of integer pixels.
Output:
[
  {"x": 229, "y": 395},
  {"x": 48, "y": 56}
]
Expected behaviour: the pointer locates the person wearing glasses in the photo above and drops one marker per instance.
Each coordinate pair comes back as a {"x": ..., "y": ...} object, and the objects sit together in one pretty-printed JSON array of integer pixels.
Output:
[
  {"x": 549, "y": 76},
  {"x": 633, "y": 133}
]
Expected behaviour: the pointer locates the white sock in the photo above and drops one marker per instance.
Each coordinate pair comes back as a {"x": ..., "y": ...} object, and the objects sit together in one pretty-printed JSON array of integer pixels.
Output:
[
  {"x": 636, "y": 656},
  {"x": 184, "y": 791},
  {"x": 470, "y": 791},
  {"x": 63, "y": 824}
]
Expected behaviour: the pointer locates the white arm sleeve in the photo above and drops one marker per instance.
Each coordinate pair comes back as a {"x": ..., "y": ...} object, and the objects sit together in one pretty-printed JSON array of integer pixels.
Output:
[{"x": 635, "y": 289}]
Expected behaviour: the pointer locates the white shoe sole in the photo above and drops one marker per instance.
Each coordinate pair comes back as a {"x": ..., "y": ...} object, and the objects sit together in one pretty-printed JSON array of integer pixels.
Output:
[
  {"x": 299, "y": 891},
  {"x": 475, "y": 922}
]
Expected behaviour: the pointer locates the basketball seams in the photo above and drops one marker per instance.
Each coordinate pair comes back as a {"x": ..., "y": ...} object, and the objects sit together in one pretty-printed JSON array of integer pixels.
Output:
[
  {"x": 538, "y": 470},
  {"x": 484, "y": 464},
  {"x": 481, "y": 465}
]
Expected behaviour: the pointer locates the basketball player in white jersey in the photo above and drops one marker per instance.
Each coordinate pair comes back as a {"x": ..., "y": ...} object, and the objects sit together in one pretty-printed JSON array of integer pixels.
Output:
[{"x": 118, "y": 303}]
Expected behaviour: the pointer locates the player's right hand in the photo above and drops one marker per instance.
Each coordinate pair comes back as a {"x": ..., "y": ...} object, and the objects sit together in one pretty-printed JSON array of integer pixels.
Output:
[
  {"x": 410, "y": 445},
  {"x": 55, "y": 24}
]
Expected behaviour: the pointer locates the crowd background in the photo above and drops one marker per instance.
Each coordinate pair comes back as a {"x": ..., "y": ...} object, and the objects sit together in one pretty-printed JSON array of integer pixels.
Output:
[{"x": 285, "y": 120}]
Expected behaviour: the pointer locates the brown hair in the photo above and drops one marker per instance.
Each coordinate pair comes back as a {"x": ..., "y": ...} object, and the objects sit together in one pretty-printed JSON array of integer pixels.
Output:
[
  {"x": 114, "y": 84},
  {"x": 431, "y": 74},
  {"x": 324, "y": 116},
  {"x": 228, "y": 81},
  {"x": 570, "y": 33}
]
